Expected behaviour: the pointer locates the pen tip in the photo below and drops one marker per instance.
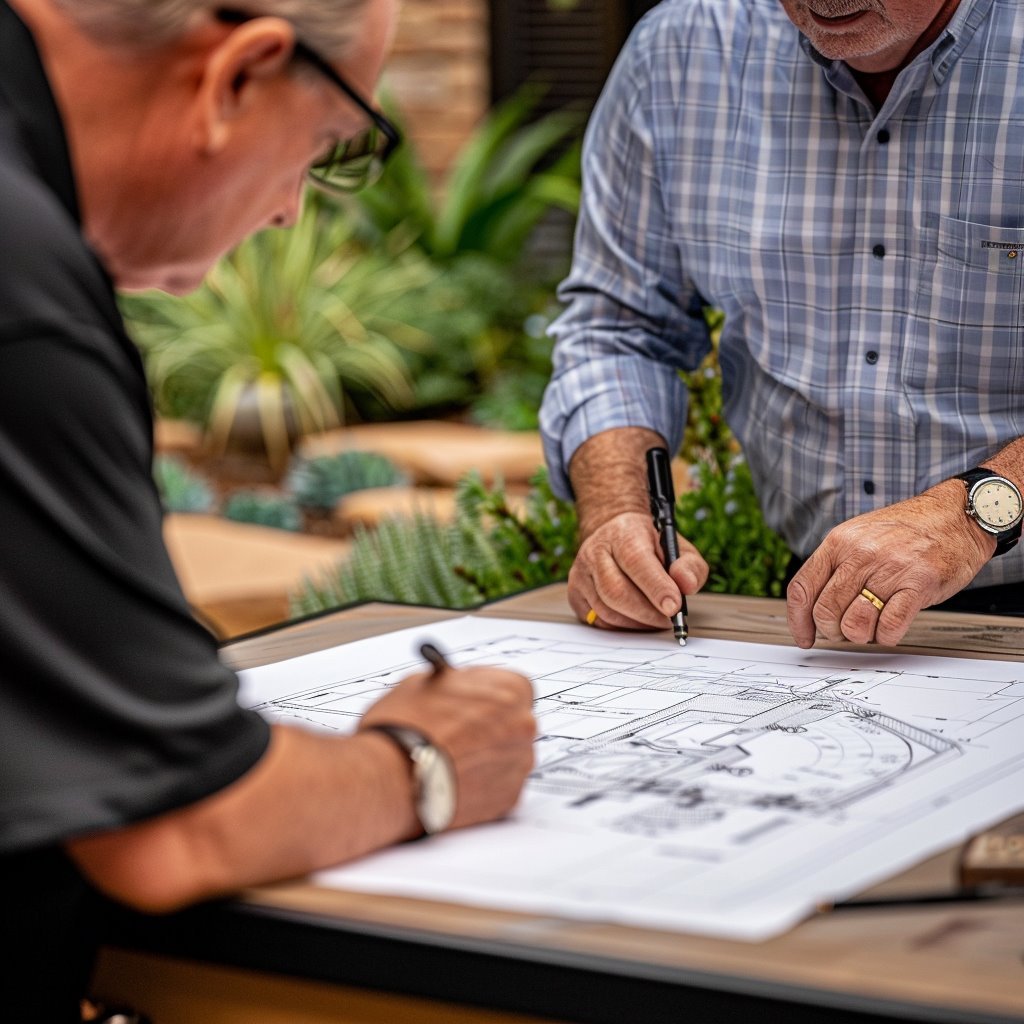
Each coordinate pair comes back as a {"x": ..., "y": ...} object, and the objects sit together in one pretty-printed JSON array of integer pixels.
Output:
[{"x": 682, "y": 641}]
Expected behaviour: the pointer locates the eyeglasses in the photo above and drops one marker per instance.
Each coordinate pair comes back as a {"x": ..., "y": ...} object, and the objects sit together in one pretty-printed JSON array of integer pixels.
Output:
[{"x": 350, "y": 164}]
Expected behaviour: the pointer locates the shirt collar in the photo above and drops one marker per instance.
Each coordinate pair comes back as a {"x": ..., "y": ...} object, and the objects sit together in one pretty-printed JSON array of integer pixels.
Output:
[
  {"x": 943, "y": 53},
  {"x": 26, "y": 93}
]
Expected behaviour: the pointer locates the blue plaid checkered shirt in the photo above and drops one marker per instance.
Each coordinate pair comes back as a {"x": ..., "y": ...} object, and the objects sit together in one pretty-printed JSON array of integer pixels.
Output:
[{"x": 870, "y": 265}]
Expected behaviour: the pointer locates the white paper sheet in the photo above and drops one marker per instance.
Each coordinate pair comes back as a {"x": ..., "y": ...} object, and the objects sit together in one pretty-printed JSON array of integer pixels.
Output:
[{"x": 722, "y": 788}]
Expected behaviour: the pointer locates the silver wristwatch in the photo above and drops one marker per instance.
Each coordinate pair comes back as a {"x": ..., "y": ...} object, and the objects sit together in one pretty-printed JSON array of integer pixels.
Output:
[
  {"x": 433, "y": 777},
  {"x": 995, "y": 504}
]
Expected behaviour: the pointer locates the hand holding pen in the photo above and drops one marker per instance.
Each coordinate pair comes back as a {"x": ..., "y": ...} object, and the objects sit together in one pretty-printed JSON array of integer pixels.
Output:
[
  {"x": 663, "y": 508},
  {"x": 619, "y": 579},
  {"x": 479, "y": 718}
]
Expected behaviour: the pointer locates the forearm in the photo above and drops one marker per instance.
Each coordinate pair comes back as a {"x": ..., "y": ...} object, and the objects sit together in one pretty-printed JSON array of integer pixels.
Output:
[
  {"x": 609, "y": 475},
  {"x": 1008, "y": 462},
  {"x": 310, "y": 802}
]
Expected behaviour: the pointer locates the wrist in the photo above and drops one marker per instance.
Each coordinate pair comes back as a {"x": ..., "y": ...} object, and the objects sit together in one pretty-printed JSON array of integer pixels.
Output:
[
  {"x": 432, "y": 773},
  {"x": 609, "y": 476},
  {"x": 397, "y": 784},
  {"x": 994, "y": 504}
]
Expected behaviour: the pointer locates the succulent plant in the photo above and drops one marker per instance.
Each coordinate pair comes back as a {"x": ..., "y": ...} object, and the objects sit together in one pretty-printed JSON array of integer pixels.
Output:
[
  {"x": 181, "y": 489},
  {"x": 318, "y": 483},
  {"x": 488, "y": 551},
  {"x": 263, "y": 508}
]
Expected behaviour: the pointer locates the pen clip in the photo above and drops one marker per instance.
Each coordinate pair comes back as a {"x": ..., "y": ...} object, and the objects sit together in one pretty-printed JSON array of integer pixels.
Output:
[{"x": 659, "y": 485}]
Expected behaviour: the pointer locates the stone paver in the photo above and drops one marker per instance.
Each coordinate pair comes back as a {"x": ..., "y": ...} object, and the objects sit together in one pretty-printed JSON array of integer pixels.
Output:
[
  {"x": 438, "y": 452},
  {"x": 367, "y": 508},
  {"x": 238, "y": 577}
]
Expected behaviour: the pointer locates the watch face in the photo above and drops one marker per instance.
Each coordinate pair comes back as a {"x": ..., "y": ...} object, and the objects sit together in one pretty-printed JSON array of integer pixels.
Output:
[
  {"x": 436, "y": 805},
  {"x": 996, "y": 504}
]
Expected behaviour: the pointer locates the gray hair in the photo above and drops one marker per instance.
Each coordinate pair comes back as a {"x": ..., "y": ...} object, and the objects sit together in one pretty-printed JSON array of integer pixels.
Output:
[{"x": 329, "y": 25}]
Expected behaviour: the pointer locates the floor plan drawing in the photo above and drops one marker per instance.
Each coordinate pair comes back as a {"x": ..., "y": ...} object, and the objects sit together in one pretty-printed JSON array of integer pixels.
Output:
[{"x": 722, "y": 787}]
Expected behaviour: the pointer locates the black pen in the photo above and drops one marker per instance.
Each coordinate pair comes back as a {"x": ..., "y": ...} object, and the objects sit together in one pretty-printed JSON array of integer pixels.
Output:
[
  {"x": 663, "y": 505},
  {"x": 438, "y": 662},
  {"x": 923, "y": 899}
]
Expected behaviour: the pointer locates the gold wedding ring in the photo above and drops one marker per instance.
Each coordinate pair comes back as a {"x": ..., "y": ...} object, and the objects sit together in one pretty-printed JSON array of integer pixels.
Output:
[
  {"x": 592, "y": 616},
  {"x": 873, "y": 598}
]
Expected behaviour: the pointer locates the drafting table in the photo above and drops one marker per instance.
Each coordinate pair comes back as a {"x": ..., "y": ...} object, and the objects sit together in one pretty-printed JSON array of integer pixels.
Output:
[{"x": 298, "y": 953}]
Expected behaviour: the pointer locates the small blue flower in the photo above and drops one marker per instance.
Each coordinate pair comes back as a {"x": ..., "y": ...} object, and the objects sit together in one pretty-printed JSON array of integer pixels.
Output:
[
  {"x": 700, "y": 515},
  {"x": 730, "y": 507}
]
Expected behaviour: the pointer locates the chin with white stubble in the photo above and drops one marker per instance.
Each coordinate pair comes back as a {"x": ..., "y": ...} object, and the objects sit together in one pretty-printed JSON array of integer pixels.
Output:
[{"x": 870, "y": 35}]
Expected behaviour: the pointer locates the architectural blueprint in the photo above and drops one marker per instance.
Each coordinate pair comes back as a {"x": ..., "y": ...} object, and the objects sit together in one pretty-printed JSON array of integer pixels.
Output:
[{"x": 722, "y": 788}]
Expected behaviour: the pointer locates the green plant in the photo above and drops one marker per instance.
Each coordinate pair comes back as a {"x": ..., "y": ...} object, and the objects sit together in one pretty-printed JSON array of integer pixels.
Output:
[
  {"x": 513, "y": 396},
  {"x": 408, "y": 560},
  {"x": 509, "y": 174},
  {"x": 288, "y": 322},
  {"x": 487, "y": 552},
  {"x": 263, "y": 509},
  {"x": 504, "y": 179},
  {"x": 318, "y": 483},
  {"x": 507, "y": 550},
  {"x": 707, "y": 437},
  {"x": 181, "y": 490},
  {"x": 722, "y": 517}
]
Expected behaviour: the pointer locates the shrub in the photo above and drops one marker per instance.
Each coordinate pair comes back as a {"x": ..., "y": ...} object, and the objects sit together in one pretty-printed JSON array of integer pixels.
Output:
[
  {"x": 722, "y": 517},
  {"x": 489, "y": 551},
  {"x": 318, "y": 483},
  {"x": 287, "y": 323},
  {"x": 263, "y": 509},
  {"x": 181, "y": 490}
]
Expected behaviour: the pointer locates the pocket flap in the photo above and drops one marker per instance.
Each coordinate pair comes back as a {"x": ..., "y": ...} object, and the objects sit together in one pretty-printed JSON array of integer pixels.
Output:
[{"x": 981, "y": 246}]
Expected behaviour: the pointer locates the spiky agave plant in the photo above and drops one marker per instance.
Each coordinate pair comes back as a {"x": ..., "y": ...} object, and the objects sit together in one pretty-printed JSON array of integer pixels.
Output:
[{"x": 285, "y": 323}]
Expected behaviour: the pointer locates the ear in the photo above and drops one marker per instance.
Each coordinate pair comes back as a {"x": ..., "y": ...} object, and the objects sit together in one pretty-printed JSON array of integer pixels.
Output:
[{"x": 239, "y": 73}]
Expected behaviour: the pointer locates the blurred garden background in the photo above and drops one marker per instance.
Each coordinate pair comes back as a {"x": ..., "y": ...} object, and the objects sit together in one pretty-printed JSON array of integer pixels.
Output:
[{"x": 347, "y": 409}]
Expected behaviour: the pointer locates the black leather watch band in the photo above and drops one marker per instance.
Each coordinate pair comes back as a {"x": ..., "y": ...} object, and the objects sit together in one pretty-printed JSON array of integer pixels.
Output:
[{"x": 1005, "y": 539}]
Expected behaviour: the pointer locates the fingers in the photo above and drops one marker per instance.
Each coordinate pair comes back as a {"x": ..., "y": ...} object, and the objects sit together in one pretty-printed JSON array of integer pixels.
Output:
[
  {"x": 619, "y": 574},
  {"x": 585, "y": 596},
  {"x": 842, "y": 608},
  {"x": 912, "y": 555},
  {"x": 860, "y": 621},
  {"x": 689, "y": 570},
  {"x": 894, "y": 621}
]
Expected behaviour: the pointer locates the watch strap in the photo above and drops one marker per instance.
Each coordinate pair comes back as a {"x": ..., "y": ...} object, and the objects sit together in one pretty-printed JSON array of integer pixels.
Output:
[
  {"x": 417, "y": 748},
  {"x": 972, "y": 476},
  {"x": 1008, "y": 538}
]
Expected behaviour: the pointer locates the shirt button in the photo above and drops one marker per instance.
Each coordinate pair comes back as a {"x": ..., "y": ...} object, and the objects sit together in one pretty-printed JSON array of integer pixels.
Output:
[
  {"x": 869, "y": 486},
  {"x": 883, "y": 136},
  {"x": 879, "y": 251},
  {"x": 872, "y": 357}
]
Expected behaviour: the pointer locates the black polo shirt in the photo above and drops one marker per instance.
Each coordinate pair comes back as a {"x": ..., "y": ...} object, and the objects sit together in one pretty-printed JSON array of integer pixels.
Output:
[{"x": 113, "y": 704}]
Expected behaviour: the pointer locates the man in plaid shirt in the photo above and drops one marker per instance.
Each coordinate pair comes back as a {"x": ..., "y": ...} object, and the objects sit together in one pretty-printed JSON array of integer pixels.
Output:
[{"x": 844, "y": 179}]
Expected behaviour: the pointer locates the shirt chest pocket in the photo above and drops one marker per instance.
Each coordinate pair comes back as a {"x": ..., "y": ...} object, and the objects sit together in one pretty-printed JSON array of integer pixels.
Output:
[{"x": 965, "y": 334}]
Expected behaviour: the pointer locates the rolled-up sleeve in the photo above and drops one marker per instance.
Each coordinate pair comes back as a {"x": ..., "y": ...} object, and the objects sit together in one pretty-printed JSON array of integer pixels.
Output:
[{"x": 633, "y": 319}]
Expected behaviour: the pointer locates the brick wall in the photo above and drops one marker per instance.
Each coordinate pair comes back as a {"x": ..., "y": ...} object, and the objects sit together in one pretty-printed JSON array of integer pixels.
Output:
[{"x": 439, "y": 74}]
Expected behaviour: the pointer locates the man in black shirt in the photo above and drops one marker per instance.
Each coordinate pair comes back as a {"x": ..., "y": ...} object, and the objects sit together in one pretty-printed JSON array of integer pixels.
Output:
[{"x": 139, "y": 140}]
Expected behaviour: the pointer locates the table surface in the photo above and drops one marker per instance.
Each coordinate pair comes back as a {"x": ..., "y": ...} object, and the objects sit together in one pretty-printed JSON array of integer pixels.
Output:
[{"x": 953, "y": 962}]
